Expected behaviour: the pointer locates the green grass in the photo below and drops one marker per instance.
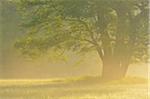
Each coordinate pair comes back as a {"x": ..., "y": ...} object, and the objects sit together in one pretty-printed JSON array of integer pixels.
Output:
[{"x": 74, "y": 88}]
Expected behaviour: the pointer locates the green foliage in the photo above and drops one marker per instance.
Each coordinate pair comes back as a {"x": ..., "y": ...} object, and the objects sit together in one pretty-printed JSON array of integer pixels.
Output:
[{"x": 120, "y": 26}]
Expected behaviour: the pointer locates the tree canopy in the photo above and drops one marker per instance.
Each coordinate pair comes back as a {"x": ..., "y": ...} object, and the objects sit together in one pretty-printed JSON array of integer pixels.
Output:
[{"x": 85, "y": 25}]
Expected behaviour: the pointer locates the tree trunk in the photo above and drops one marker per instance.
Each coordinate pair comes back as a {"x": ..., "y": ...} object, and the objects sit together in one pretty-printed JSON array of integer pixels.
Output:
[
  {"x": 115, "y": 55},
  {"x": 113, "y": 69}
]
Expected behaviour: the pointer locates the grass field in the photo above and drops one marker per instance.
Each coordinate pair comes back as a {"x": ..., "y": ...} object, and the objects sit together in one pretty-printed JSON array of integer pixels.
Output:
[{"x": 74, "y": 88}]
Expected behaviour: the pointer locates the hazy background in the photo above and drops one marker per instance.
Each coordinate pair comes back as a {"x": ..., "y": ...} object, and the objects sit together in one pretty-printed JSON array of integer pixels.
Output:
[{"x": 13, "y": 65}]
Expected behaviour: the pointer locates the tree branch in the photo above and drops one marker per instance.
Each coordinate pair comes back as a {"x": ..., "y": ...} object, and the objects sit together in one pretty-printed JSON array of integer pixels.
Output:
[{"x": 85, "y": 24}]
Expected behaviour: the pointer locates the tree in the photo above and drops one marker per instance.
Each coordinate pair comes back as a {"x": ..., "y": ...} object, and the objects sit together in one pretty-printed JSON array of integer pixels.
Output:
[{"x": 116, "y": 29}]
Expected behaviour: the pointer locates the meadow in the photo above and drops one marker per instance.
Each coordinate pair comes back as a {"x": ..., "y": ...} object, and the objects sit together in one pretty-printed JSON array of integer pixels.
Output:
[{"x": 74, "y": 88}]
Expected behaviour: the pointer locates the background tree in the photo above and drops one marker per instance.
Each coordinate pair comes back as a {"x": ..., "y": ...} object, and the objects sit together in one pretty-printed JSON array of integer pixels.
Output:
[{"x": 116, "y": 29}]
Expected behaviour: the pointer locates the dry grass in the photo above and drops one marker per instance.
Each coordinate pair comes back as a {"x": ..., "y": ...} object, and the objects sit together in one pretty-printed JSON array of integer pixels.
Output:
[{"x": 74, "y": 88}]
